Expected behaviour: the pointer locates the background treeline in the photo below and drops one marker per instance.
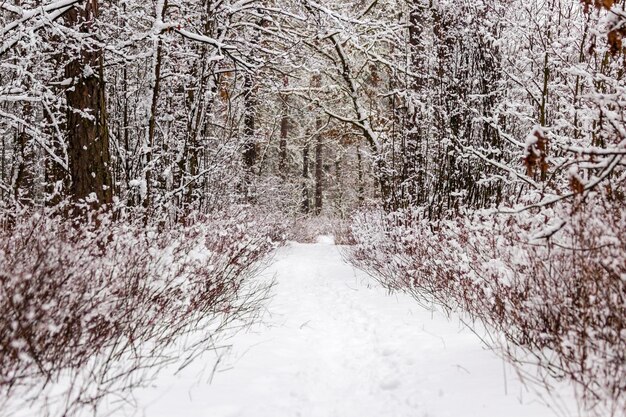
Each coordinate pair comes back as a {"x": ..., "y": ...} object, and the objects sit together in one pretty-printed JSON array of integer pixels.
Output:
[{"x": 309, "y": 106}]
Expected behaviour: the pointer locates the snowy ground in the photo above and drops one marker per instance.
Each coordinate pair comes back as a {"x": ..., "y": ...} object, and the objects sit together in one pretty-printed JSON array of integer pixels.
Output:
[{"x": 336, "y": 345}]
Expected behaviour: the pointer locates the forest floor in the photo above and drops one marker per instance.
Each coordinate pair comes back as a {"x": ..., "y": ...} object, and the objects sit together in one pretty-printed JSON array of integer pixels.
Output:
[{"x": 335, "y": 344}]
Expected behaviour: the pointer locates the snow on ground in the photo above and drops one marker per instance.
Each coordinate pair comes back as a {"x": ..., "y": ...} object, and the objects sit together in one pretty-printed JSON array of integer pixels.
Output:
[{"x": 336, "y": 345}]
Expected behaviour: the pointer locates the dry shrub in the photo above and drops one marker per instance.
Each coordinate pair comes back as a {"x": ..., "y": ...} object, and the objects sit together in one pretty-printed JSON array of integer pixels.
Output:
[
  {"x": 88, "y": 312},
  {"x": 554, "y": 289},
  {"x": 306, "y": 229}
]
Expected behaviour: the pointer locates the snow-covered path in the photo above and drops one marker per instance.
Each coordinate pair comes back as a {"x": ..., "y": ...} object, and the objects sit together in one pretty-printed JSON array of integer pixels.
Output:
[{"x": 336, "y": 345}]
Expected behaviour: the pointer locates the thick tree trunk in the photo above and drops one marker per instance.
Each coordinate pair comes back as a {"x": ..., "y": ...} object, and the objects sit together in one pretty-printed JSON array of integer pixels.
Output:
[{"x": 88, "y": 139}]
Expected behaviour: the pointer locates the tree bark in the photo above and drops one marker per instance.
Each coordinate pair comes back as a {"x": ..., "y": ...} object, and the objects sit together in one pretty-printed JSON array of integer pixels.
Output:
[
  {"x": 361, "y": 176},
  {"x": 319, "y": 174},
  {"x": 413, "y": 158},
  {"x": 249, "y": 146},
  {"x": 88, "y": 139},
  {"x": 249, "y": 150},
  {"x": 156, "y": 90},
  {"x": 306, "y": 205},
  {"x": 319, "y": 156},
  {"x": 284, "y": 133}
]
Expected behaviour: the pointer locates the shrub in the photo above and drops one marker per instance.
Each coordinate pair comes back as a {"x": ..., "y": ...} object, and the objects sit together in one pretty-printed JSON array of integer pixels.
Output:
[
  {"x": 88, "y": 312},
  {"x": 558, "y": 296}
]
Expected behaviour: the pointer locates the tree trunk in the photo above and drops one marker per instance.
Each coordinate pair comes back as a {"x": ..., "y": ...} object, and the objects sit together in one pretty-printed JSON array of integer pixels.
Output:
[
  {"x": 319, "y": 173},
  {"x": 88, "y": 139},
  {"x": 319, "y": 150},
  {"x": 284, "y": 133},
  {"x": 361, "y": 178},
  {"x": 249, "y": 146},
  {"x": 156, "y": 90},
  {"x": 306, "y": 206},
  {"x": 249, "y": 150},
  {"x": 413, "y": 158}
]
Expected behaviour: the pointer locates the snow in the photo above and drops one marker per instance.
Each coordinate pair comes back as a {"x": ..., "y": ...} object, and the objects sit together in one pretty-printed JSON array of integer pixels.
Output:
[
  {"x": 335, "y": 344},
  {"x": 326, "y": 240}
]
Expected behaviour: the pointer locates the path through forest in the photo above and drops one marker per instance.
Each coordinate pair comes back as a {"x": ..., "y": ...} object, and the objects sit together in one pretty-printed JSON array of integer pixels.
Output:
[{"x": 337, "y": 345}]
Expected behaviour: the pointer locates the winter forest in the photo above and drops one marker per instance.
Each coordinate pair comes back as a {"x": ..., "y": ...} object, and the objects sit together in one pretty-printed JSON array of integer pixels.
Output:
[{"x": 175, "y": 172}]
